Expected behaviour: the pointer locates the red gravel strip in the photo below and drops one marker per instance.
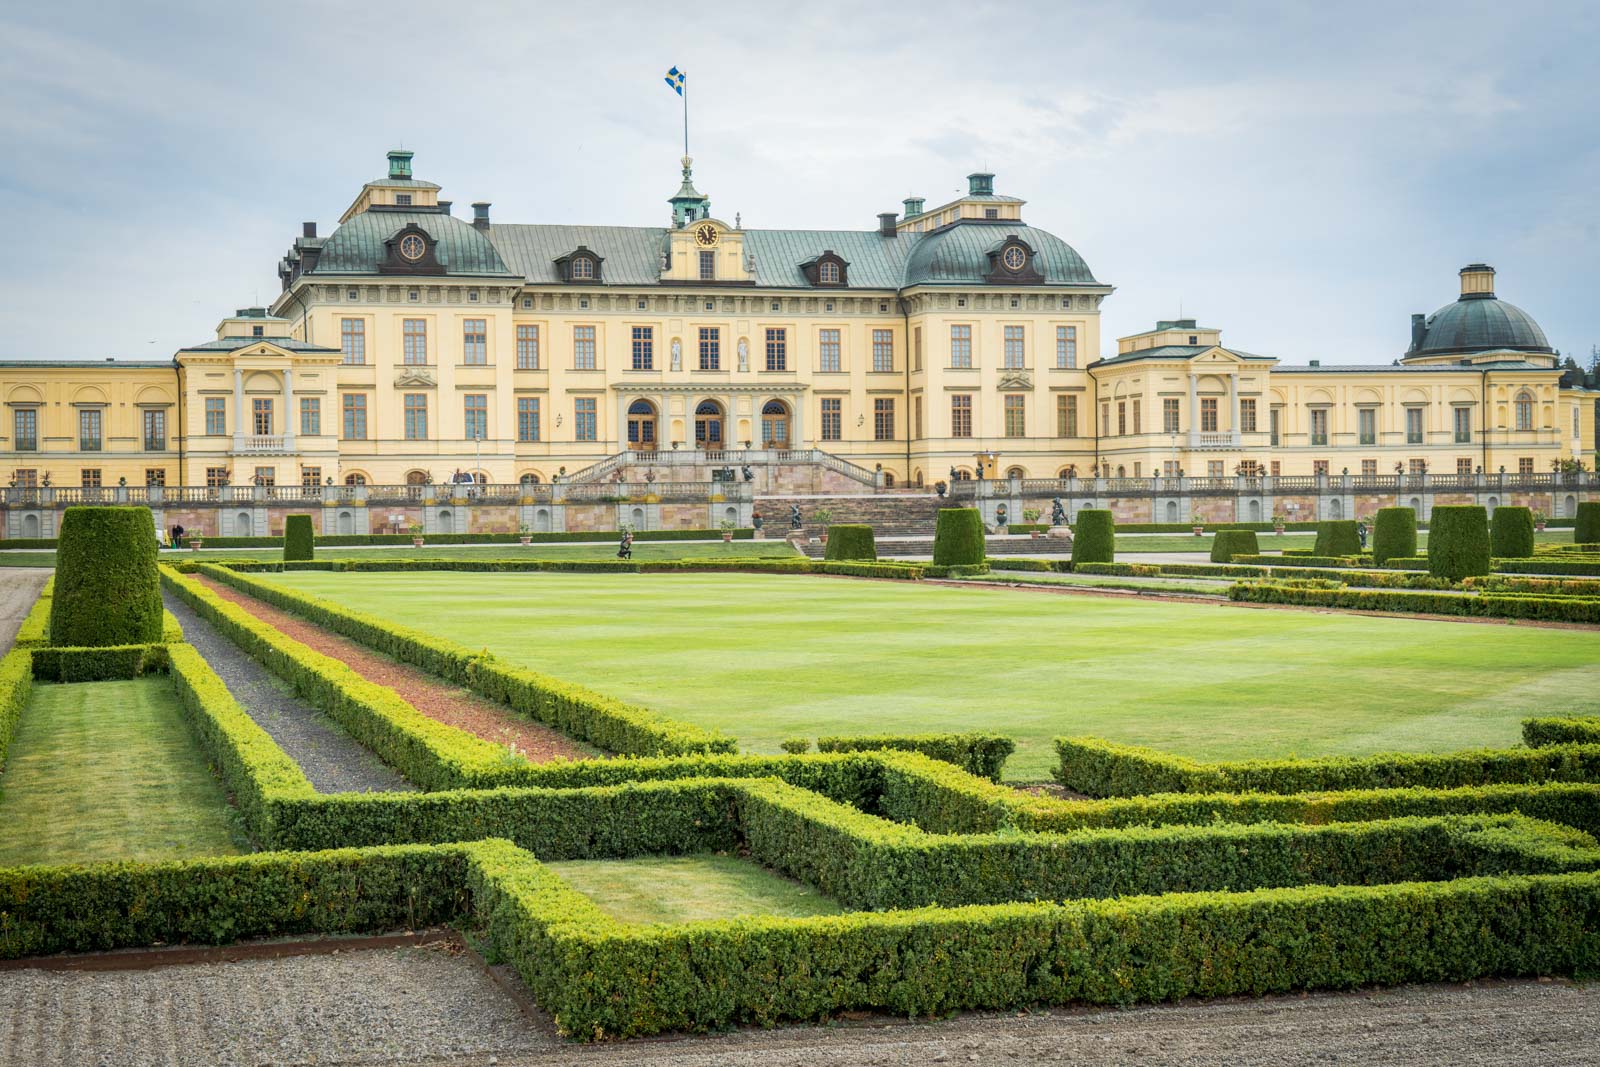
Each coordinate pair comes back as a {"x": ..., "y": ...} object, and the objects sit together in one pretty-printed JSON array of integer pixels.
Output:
[{"x": 429, "y": 694}]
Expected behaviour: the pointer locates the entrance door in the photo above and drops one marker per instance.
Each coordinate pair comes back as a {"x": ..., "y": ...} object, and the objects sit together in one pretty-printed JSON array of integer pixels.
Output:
[
  {"x": 642, "y": 426},
  {"x": 708, "y": 426},
  {"x": 775, "y": 425}
]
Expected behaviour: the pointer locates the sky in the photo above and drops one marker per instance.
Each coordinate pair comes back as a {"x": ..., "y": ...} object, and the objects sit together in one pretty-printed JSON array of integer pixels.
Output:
[{"x": 1303, "y": 177}]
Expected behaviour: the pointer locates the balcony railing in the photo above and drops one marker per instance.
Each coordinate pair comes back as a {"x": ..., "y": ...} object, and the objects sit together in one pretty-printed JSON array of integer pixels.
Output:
[{"x": 259, "y": 443}]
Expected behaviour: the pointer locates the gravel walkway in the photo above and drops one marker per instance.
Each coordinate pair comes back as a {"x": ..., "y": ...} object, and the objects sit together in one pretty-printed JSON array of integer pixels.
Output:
[
  {"x": 19, "y": 591},
  {"x": 434, "y": 697},
  {"x": 333, "y": 760}
]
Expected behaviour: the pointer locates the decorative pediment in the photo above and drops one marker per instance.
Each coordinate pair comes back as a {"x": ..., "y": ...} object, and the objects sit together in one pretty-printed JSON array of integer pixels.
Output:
[
  {"x": 411, "y": 250},
  {"x": 415, "y": 378},
  {"x": 827, "y": 271},
  {"x": 1016, "y": 379},
  {"x": 1013, "y": 262},
  {"x": 582, "y": 264}
]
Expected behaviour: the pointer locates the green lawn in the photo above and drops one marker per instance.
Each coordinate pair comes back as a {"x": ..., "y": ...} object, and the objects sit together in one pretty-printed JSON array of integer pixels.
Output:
[
  {"x": 1203, "y": 586},
  {"x": 766, "y": 657},
  {"x": 580, "y": 550},
  {"x": 108, "y": 771},
  {"x": 679, "y": 889}
]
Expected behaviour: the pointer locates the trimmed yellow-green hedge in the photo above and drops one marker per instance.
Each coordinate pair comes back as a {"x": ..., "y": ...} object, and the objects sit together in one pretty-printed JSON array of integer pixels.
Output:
[
  {"x": 1486, "y": 605},
  {"x": 16, "y": 686},
  {"x": 976, "y": 753}
]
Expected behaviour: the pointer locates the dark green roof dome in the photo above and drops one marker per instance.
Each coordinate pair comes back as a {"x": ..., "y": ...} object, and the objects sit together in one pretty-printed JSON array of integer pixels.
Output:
[
  {"x": 1477, "y": 322},
  {"x": 959, "y": 255},
  {"x": 357, "y": 247}
]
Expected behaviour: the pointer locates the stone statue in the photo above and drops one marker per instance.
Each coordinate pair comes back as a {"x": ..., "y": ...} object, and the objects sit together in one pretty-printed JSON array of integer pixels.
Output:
[
  {"x": 677, "y": 354},
  {"x": 795, "y": 521},
  {"x": 744, "y": 354},
  {"x": 749, "y": 475},
  {"x": 980, "y": 470},
  {"x": 625, "y": 549},
  {"x": 1058, "y": 514},
  {"x": 953, "y": 476}
]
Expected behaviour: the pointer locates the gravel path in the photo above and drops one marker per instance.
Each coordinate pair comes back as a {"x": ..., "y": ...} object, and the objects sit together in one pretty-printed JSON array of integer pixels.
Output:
[
  {"x": 333, "y": 760},
  {"x": 434, "y": 697},
  {"x": 433, "y": 1006},
  {"x": 19, "y": 590}
]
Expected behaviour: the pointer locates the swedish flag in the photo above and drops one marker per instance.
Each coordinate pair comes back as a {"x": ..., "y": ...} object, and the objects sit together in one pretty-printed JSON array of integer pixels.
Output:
[{"x": 674, "y": 78}]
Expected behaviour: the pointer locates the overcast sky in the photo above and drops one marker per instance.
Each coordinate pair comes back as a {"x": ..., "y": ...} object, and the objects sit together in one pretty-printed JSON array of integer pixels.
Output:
[{"x": 1303, "y": 177}]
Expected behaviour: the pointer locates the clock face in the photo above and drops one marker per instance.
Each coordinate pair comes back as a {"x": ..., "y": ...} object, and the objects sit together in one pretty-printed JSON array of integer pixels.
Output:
[
  {"x": 1014, "y": 258},
  {"x": 412, "y": 246},
  {"x": 705, "y": 235}
]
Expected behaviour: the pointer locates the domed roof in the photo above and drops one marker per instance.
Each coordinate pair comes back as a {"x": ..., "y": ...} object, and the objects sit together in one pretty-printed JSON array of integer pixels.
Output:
[
  {"x": 357, "y": 247},
  {"x": 960, "y": 255},
  {"x": 1477, "y": 322}
]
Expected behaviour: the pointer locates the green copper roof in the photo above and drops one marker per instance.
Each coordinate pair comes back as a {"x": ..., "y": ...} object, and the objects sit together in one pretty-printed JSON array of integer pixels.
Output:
[
  {"x": 958, "y": 254},
  {"x": 1172, "y": 352},
  {"x": 228, "y": 344},
  {"x": 357, "y": 247},
  {"x": 1480, "y": 324}
]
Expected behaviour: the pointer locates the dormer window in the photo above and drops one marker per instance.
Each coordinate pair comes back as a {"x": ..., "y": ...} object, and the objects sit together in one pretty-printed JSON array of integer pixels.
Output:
[
  {"x": 1011, "y": 261},
  {"x": 828, "y": 269},
  {"x": 579, "y": 265},
  {"x": 828, "y": 273},
  {"x": 583, "y": 267}
]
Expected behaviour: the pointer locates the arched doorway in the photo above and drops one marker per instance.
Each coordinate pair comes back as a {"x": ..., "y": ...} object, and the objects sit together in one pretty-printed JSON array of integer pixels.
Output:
[
  {"x": 708, "y": 425},
  {"x": 1253, "y": 511},
  {"x": 1172, "y": 511},
  {"x": 346, "y": 522},
  {"x": 355, "y": 479},
  {"x": 418, "y": 478},
  {"x": 30, "y": 525},
  {"x": 243, "y": 525},
  {"x": 1569, "y": 507},
  {"x": 888, "y": 479},
  {"x": 642, "y": 426},
  {"x": 531, "y": 478},
  {"x": 1016, "y": 472},
  {"x": 775, "y": 424},
  {"x": 1335, "y": 508}
]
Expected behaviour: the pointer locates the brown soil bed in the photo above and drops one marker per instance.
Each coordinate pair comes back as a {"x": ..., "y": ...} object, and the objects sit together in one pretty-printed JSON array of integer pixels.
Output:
[{"x": 430, "y": 695}]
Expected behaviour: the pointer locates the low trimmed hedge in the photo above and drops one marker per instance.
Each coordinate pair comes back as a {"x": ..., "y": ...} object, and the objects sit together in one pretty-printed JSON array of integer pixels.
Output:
[
  {"x": 575, "y": 537},
  {"x": 1100, "y": 768},
  {"x": 1094, "y": 537},
  {"x": 966, "y": 570},
  {"x": 730, "y": 565},
  {"x": 1229, "y": 543},
  {"x": 34, "y": 632},
  {"x": 1394, "y": 533},
  {"x": 56, "y": 664},
  {"x": 980, "y": 754},
  {"x": 1297, "y": 561},
  {"x": 16, "y": 686},
  {"x": 1540, "y": 732},
  {"x": 1545, "y": 565},
  {"x": 1486, "y": 605},
  {"x": 1405, "y": 563},
  {"x": 851, "y": 543}
]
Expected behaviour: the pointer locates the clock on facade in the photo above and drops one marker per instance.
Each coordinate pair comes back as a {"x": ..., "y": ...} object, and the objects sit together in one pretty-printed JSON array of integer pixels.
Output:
[
  {"x": 1014, "y": 258},
  {"x": 705, "y": 235},
  {"x": 412, "y": 246}
]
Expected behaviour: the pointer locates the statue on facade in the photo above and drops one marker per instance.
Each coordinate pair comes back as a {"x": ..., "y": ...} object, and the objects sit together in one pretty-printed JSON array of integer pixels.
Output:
[
  {"x": 744, "y": 354},
  {"x": 980, "y": 470},
  {"x": 677, "y": 354},
  {"x": 1058, "y": 514},
  {"x": 795, "y": 522},
  {"x": 955, "y": 476},
  {"x": 749, "y": 475}
]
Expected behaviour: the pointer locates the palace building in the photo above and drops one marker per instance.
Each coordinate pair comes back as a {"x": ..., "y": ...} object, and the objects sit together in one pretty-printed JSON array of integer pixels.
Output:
[{"x": 410, "y": 346}]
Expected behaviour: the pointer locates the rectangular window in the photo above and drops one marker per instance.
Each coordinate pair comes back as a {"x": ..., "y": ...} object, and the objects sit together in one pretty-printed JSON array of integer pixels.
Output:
[
  {"x": 1463, "y": 417},
  {"x": 475, "y": 342},
  {"x": 916, "y": 348},
  {"x": 832, "y": 418},
  {"x": 475, "y": 416},
  {"x": 1169, "y": 415},
  {"x": 777, "y": 349},
  {"x": 353, "y": 340},
  {"x": 261, "y": 416},
  {"x": 1463, "y": 465},
  {"x": 25, "y": 430},
  {"x": 828, "y": 351},
  {"x": 1066, "y": 415},
  {"x": 155, "y": 476},
  {"x": 1525, "y": 465},
  {"x": 708, "y": 266},
  {"x": 1015, "y": 349},
  {"x": 216, "y": 415},
  {"x": 1275, "y": 466},
  {"x": 883, "y": 418},
  {"x": 310, "y": 416},
  {"x": 644, "y": 348},
  {"x": 583, "y": 355},
  {"x": 310, "y": 477},
  {"x": 1319, "y": 466},
  {"x": 527, "y": 418},
  {"x": 916, "y": 410},
  {"x": 1414, "y": 426},
  {"x": 402, "y": 199},
  {"x": 1066, "y": 347},
  {"x": 527, "y": 348},
  {"x": 1214, "y": 468},
  {"x": 1137, "y": 421},
  {"x": 1169, "y": 468},
  {"x": 1247, "y": 414},
  {"x": 1105, "y": 418},
  {"x": 414, "y": 335},
  {"x": 1367, "y": 420},
  {"x": 266, "y": 476},
  {"x": 883, "y": 351},
  {"x": 1122, "y": 418},
  {"x": 1208, "y": 414},
  {"x": 89, "y": 477},
  {"x": 416, "y": 405},
  {"x": 710, "y": 348},
  {"x": 216, "y": 476},
  {"x": 1272, "y": 426},
  {"x": 355, "y": 416},
  {"x": 1415, "y": 467},
  {"x": 1369, "y": 468},
  {"x": 1319, "y": 426},
  {"x": 1016, "y": 409},
  {"x": 27, "y": 478},
  {"x": 961, "y": 415},
  {"x": 155, "y": 431},
  {"x": 585, "y": 425},
  {"x": 961, "y": 346},
  {"x": 89, "y": 424}
]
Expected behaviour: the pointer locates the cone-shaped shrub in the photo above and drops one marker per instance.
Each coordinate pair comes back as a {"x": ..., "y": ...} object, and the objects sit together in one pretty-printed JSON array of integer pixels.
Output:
[
  {"x": 1094, "y": 537},
  {"x": 1394, "y": 534},
  {"x": 1337, "y": 537},
  {"x": 851, "y": 542},
  {"x": 1229, "y": 543},
  {"x": 1511, "y": 533},
  {"x": 958, "y": 537},
  {"x": 1458, "y": 542},
  {"x": 297, "y": 537},
  {"x": 107, "y": 591},
  {"x": 1587, "y": 528}
]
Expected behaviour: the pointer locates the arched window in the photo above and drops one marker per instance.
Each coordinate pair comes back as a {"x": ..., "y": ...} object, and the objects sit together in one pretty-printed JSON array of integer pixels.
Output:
[
  {"x": 963, "y": 475},
  {"x": 916, "y": 477},
  {"x": 1524, "y": 410},
  {"x": 708, "y": 407},
  {"x": 641, "y": 407},
  {"x": 417, "y": 478},
  {"x": 582, "y": 267},
  {"x": 529, "y": 479},
  {"x": 888, "y": 480},
  {"x": 828, "y": 272},
  {"x": 1016, "y": 472},
  {"x": 355, "y": 479}
]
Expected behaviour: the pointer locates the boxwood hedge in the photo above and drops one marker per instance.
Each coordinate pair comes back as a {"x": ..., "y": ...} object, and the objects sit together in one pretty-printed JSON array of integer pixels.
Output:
[
  {"x": 1511, "y": 533},
  {"x": 1394, "y": 533},
  {"x": 851, "y": 543},
  {"x": 958, "y": 538},
  {"x": 1094, "y": 537},
  {"x": 1458, "y": 541},
  {"x": 1586, "y": 526},
  {"x": 107, "y": 591},
  {"x": 980, "y": 754},
  {"x": 1337, "y": 537},
  {"x": 298, "y": 538},
  {"x": 1229, "y": 543}
]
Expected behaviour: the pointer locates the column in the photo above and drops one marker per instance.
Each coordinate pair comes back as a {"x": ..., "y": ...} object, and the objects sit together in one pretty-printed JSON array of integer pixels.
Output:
[
  {"x": 1233, "y": 401},
  {"x": 1194, "y": 412},
  {"x": 289, "y": 412},
  {"x": 238, "y": 409}
]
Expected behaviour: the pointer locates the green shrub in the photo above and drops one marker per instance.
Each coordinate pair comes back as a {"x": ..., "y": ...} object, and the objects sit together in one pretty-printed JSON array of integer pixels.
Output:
[
  {"x": 34, "y": 632},
  {"x": 16, "y": 686},
  {"x": 1094, "y": 537},
  {"x": 58, "y": 664},
  {"x": 106, "y": 591},
  {"x": 1337, "y": 537},
  {"x": 1511, "y": 533},
  {"x": 965, "y": 570},
  {"x": 1458, "y": 542},
  {"x": 958, "y": 538},
  {"x": 1487, "y": 606},
  {"x": 298, "y": 539},
  {"x": 1546, "y": 565},
  {"x": 1297, "y": 561},
  {"x": 1586, "y": 526},
  {"x": 1229, "y": 543},
  {"x": 795, "y": 746},
  {"x": 1394, "y": 533},
  {"x": 1406, "y": 563},
  {"x": 851, "y": 543},
  {"x": 1538, "y": 733},
  {"x": 976, "y": 753}
]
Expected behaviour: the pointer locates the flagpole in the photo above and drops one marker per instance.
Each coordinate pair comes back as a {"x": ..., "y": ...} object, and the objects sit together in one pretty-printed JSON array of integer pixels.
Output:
[{"x": 685, "y": 88}]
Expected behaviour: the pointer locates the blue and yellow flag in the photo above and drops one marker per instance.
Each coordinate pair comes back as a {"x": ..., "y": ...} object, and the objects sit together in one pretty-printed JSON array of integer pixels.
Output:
[{"x": 674, "y": 78}]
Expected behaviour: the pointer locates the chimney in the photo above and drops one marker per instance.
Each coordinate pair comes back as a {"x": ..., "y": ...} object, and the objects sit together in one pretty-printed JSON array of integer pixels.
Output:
[
  {"x": 913, "y": 205},
  {"x": 1477, "y": 282},
  {"x": 308, "y": 229},
  {"x": 444, "y": 207},
  {"x": 886, "y": 226},
  {"x": 480, "y": 214},
  {"x": 980, "y": 184},
  {"x": 1419, "y": 330},
  {"x": 1316, "y": 363}
]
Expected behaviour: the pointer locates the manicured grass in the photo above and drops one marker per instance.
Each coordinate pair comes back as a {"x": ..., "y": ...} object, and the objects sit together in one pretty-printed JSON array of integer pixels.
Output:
[
  {"x": 680, "y": 889},
  {"x": 580, "y": 550},
  {"x": 1204, "y": 586},
  {"x": 766, "y": 657},
  {"x": 108, "y": 771}
]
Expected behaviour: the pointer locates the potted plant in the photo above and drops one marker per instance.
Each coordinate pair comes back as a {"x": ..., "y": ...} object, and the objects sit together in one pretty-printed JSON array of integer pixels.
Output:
[
  {"x": 1278, "y": 521},
  {"x": 1031, "y": 517},
  {"x": 197, "y": 542},
  {"x": 1539, "y": 519},
  {"x": 822, "y": 517},
  {"x": 727, "y": 526},
  {"x": 416, "y": 535},
  {"x": 524, "y": 534},
  {"x": 1199, "y": 521}
]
